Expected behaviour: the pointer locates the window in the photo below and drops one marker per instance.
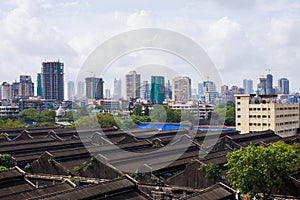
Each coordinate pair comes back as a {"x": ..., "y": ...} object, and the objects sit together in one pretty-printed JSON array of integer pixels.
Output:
[
  {"x": 238, "y": 109},
  {"x": 264, "y": 109},
  {"x": 250, "y": 109},
  {"x": 238, "y": 124},
  {"x": 238, "y": 103},
  {"x": 238, "y": 97},
  {"x": 239, "y": 116}
]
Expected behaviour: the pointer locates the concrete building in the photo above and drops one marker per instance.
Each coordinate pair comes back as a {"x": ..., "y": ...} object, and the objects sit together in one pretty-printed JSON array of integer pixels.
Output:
[
  {"x": 6, "y": 91},
  {"x": 199, "y": 109},
  {"x": 145, "y": 90},
  {"x": 284, "y": 86},
  {"x": 201, "y": 91},
  {"x": 9, "y": 110},
  {"x": 53, "y": 81},
  {"x": 181, "y": 89},
  {"x": 210, "y": 92},
  {"x": 157, "y": 89},
  {"x": 117, "y": 89},
  {"x": 80, "y": 89},
  {"x": 26, "y": 86},
  {"x": 248, "y": 86},
  {"x": 260, "y": 113},
  {"x": 71, "y": 90},
  {"x": 133, "y": 84},
  {"x": 94, "y": 88},
  {"x": 107, "y": 93}
]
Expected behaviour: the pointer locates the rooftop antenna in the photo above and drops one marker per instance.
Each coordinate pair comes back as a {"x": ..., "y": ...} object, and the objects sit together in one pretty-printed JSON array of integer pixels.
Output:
[{"x": 268, "y": 70}]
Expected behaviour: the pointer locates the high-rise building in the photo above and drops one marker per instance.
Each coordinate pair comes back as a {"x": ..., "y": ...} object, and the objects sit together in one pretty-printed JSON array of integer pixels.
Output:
[
  {"x": 262, "y": 86},
  {"x": 80, "y": 89},
  {"x": 39, "y": 85},
  {"x": 284, "y": 86},
  {"x": 181, "y": 89},
  {"x": 117, "y": 89},
  {"x": 269, "y": 85},
  {"x": 6, "y": 91},
  {"x": 26, "y": 86},
  {"x": 71, "y": 90},
  {"x": 133, "y": 84},
  {"x": 210, "y": 92},
  {"x": 94, "y": 88},
  {"x": 15, "y": 90},
  {"x": 248, "y": 86},
  {"x": 107, "y": 93},
  {"x": 53, "y": 81},
  {"x": 168, "y": 90},
  {"x": 145, "y": 90},
  {"x": 200, "y": 91},
  {"x": 157, "y": 89}
]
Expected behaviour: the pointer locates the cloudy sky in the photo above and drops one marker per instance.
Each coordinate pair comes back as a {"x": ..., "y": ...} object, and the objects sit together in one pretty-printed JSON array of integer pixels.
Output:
[{"x": 243, "y": 38}]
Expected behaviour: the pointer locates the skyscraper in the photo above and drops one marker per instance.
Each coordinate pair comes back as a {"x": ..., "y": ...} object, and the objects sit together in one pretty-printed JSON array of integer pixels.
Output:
[
  {"x": 248, "y": 86},
  {"x": 39, "y": 85},
  {"x": 269, "y": 85},
  {"x": 107, "y": 93},
  {"x": 145, "y": 90},
  {"x": 200, "y": 91},
  {"x": 6, "y": 91},
  {"x": 117, "y": 89},
  {"x": 26, "y": 86},
  {"x": 262, "y": 86},
  {"x": 284, "y": 86},
  {"x": 94, "y": 88},
  {"x": 181, "y": 89},
  {"x": 157, "y": 89},
  {"x": 71, "y": 90},
  {"x": 53, "y": 81},
  {"x": 133, "y": 84},
  {"x": 210, "y": 92},
  {"x": 80, "y": 89}
]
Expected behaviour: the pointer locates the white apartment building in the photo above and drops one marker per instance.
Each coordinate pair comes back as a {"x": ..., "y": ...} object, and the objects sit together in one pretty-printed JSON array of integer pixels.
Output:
[
  {"x": 260, "y": 113},
  {"x": 199, "y": 109}
]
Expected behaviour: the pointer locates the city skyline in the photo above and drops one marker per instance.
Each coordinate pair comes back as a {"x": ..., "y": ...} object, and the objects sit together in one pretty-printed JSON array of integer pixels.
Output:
[{"x": 241, "y": 45}]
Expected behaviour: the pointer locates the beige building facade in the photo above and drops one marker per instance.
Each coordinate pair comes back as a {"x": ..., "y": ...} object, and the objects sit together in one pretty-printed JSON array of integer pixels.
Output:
[{"x": 260, "y": 113}]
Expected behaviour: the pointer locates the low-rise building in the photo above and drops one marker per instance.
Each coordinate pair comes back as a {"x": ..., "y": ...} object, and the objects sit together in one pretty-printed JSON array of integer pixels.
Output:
[
  {"x": 199, "y": 109},
  {"x": 9, "y": 110},
  {"x": 265, "y": 112}
]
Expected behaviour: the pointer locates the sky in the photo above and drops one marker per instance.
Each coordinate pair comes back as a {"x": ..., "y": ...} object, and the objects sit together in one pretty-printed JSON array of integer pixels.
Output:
[{"x": 243, "y": 38}]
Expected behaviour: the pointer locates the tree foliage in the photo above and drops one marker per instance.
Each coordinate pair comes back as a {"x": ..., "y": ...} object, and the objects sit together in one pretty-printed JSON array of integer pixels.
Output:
[
  {"x": 225, "y": 111},
  {"x": 6, "y": 162},
  {"x": 261, "y": 169},
  {"x": 96, "y": 121},
  {"x": 29, "y": 115},
  {"x": 213, "y": 171},
  {"x": 9, "y": 123}
]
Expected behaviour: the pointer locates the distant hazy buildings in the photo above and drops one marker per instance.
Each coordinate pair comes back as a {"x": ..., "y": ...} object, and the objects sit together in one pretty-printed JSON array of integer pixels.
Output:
[
  {"x": 210, "y": 92},
  {"x": 52, "y": 78},
  {"x": 181, "y": 89},
  {"x": 133, "y": 84},
  {"x": 145, "y": 90},
  {"x": 117, "y": 89},
  {"x": 201, "y": 91},
  {"x": 107, "y": 93},
  {"x": 157, "y": 89},
  {"x": 248, "y": 86},
  {"x": 284, "y": 86},
  {"x": 265, "y": 85},
  {"x": 71, "y": 90},
  {"x": 80, "y": 89},
  {"x": 94, "y": 88}
]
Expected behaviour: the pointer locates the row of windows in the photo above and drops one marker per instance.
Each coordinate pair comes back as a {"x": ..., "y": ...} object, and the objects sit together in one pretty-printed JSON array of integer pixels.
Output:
[
  {"x": 259, "y": 124},
  {"x": 288, "y": 115},
  {"x": 288, "y": 130},
  {"x": 286, "y": 123},
  {"x": 259, "y": 116},
  {"x": 288, "y": 108},
  {"x": 259, "y": 109}
]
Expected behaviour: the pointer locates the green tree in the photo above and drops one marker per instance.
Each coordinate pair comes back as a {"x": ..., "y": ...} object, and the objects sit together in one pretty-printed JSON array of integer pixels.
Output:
[
  {"x": 261, "y": 169},
  {"x": 106, "y": 120},
  {"x": 213, "y": 171},
  {"x": 9, "y": 123},
  {"x": 6, "y": 162},
  {"x": 158, "y": 114},
  {"x": 47, "y": 116},
  {"x": 225, "y": 111},
  {"x": 29, "y": 115}
]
